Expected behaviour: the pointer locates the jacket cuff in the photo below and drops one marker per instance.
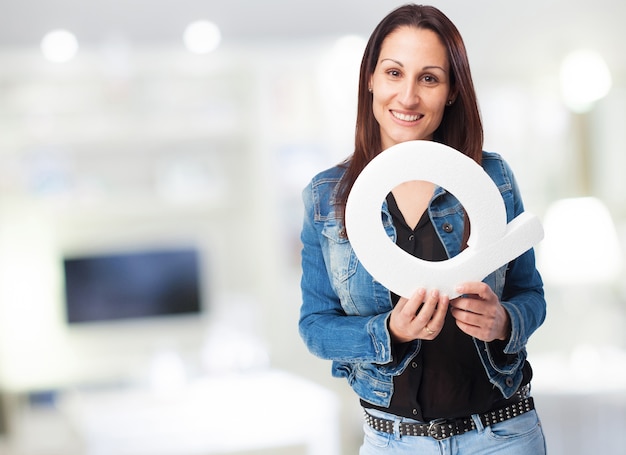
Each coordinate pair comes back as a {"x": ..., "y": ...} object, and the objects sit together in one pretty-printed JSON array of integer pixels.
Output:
[
  {"x": 516, "y": 342},
  {"x": 381, "y": 338}
]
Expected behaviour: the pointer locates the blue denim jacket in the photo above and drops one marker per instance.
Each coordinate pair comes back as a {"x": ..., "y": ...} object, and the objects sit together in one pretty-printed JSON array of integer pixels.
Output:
[{"x": 344, "y": 310}]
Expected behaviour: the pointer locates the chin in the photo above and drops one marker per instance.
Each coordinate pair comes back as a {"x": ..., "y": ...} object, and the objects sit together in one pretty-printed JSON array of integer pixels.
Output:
[{"x": 410, "y": 138}]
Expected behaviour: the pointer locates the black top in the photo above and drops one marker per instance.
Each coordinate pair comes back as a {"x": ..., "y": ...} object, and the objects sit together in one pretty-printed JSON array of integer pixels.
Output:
[{"x": 446, "y": 379}]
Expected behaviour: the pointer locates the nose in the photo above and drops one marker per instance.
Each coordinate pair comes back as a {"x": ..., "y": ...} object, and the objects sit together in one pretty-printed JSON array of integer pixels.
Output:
[{"x": 409, "y": 93}]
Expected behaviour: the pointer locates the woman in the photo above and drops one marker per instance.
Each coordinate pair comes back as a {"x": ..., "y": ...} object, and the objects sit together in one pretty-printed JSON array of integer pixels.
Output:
[{"x": 433, "y": 375}]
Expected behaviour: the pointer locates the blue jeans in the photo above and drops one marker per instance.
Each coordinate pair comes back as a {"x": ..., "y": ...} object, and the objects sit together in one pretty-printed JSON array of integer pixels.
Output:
[{"x": 522, "y": 435}]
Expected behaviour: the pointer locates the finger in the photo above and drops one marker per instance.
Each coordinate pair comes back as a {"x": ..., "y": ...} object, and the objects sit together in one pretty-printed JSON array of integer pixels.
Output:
[
  {"x": 482, "y": 290},
  {"x": 466, "y": 317},
  {"x": 402, "y": 301},
  {"x": 404, "y": 311},
  {"x": 413, "y": 305},
  {"x": 439, "y": 316},
  {"x": 434, "y": 320},
  {"x": 473, "y": 297},
  {"x": 429, "y": 307},
  {"x": 469, "y": 304},
  {"x": 401, "y": 321}
]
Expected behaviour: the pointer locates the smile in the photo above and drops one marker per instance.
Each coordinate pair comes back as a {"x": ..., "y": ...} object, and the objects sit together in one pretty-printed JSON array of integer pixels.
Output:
[{"x": 406, "y": 117}]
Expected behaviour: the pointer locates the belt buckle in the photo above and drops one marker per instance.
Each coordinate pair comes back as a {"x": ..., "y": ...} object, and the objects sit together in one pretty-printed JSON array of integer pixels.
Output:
[{"x": 434, "y": 429}]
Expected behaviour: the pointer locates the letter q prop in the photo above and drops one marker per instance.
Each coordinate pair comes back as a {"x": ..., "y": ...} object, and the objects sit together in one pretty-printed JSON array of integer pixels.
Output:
[{"x": 492, "y": 242}]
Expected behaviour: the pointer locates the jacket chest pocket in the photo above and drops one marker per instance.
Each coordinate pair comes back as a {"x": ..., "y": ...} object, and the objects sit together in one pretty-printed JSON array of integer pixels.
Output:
[
  {"x": 341, "y": 258},
  {"x": 357, "y": 290}
]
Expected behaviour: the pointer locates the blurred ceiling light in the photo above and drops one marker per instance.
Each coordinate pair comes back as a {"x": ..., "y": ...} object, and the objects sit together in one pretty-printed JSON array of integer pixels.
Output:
[
  {"x": 581, "y": 246},
  {"x": 59, "y": 45},
  {"x": 585, "y": 79},
  {"x": 202, "y": 37}
]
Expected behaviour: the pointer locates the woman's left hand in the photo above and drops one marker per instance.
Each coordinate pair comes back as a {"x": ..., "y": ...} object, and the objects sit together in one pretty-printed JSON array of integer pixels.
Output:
[{"x": 479, "y": 313}]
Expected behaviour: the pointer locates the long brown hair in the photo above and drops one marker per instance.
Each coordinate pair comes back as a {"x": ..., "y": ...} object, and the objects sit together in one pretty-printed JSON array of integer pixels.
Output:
[{"x": 461, "y": 126}]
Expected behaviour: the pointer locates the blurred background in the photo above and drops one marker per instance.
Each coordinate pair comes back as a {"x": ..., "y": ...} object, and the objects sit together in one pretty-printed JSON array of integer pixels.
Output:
[{"x": 155, "y": 152}]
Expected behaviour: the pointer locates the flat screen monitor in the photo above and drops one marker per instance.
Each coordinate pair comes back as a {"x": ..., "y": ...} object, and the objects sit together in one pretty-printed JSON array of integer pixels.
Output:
[{"x": 132, "y": 285}]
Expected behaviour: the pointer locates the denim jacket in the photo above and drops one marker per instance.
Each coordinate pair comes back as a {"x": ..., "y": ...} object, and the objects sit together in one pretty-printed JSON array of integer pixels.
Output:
[{"x": 344, "y": 313}]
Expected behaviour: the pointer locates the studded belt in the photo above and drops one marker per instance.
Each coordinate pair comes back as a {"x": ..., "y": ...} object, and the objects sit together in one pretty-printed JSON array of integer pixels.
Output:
[{"x": 445, "y": 428}]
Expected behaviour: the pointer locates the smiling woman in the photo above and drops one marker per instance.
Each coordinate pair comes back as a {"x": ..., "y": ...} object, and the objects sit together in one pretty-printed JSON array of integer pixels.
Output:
[
  {"x": 430, "y": 370},
  {"x": 410, "y": 86}
]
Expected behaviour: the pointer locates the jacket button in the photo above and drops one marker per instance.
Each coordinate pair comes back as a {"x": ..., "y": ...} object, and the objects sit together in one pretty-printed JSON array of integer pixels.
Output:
[
  {"x": 509, "y": 381},
  {"x": 447, "y": 227}
]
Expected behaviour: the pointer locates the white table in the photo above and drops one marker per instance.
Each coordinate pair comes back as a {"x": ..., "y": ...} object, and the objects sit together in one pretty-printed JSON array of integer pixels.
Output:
[{"x": 268, "y": 409}]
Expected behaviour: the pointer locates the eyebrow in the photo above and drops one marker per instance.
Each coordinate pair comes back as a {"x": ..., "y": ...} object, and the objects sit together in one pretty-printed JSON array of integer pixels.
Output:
[
  {"x": 402, "y": 66},
  {"x": 392, "y": 60}
]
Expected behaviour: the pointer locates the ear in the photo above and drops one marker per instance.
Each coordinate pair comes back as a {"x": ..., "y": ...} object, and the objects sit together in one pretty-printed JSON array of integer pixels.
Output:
[{"x": 452, "y": 96}]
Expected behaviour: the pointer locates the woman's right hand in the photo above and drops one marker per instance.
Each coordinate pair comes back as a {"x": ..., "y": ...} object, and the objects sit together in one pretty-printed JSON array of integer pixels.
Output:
[{"x": 409, "y": 322}]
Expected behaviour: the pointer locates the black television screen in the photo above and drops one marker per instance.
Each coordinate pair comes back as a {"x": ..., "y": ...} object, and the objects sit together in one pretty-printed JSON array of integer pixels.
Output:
[{"x": 129, "y": 285}]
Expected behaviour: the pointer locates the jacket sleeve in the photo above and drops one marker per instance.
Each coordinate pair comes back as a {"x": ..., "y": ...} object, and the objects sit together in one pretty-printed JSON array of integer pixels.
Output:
[
  {"x": 523, "y": 295},
  {"x": 326, "y": 329}
]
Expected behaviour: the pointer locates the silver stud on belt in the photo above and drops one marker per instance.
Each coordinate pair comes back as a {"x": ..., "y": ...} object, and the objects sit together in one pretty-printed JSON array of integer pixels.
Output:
[{"x": 443, "y": 428}]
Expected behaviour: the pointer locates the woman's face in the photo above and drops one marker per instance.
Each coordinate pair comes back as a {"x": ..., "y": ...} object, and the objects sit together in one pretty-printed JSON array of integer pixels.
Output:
[{"x": 410, "y": 85}]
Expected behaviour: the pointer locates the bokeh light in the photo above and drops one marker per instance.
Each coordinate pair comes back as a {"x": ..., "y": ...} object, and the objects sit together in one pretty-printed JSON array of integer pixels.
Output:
[
  {"x": 202, "y": 37},
  {"x": 59, "y": 45}
]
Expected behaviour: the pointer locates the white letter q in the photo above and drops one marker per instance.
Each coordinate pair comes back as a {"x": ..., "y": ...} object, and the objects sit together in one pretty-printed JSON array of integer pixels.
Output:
[{"x": 492, "y": 242}]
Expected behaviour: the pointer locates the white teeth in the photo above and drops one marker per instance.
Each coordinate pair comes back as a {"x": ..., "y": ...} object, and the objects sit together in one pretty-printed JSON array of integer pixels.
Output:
[{"x": 405, "y": 117}]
